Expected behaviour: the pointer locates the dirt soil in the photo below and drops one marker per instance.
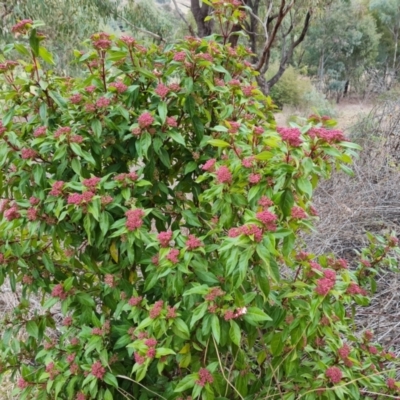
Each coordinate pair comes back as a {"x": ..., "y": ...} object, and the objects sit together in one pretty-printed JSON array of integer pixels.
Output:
[{"x": 349, "y": 111}]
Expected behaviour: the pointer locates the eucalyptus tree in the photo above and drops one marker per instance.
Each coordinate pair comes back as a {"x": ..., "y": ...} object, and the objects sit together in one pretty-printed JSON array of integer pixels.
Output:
[
  {"x": 342, "y": 42},
  {"x": 273, "y": 28}
]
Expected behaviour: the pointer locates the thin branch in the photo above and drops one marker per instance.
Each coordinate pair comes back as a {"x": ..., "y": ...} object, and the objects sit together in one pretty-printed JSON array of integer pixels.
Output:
[
  {"x": 152, "y": 34},
  {"x": 138, "y": 383},
  {"x": 267, "y": 48},
  {"x": 191, "y": 30},
  {"x": 222, "y": 370}
]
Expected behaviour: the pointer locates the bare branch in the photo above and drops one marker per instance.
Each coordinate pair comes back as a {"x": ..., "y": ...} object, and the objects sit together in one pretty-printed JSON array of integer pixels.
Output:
[
  {"x": 191, "y": 30},
  {"x": 152, "y": 34},
  {"x": 288, "y": 54},
  {"x": 283, "y": 10}
]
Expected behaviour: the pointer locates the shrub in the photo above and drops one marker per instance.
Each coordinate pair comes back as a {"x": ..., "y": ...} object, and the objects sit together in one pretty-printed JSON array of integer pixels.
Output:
[
  {"x": 162, "y": 219},
  {"x": 290, "y": 88}
]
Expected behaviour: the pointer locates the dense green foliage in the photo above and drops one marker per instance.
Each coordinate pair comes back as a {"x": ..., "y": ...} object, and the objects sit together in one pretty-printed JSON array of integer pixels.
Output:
[{"x": 154, "y": 203}]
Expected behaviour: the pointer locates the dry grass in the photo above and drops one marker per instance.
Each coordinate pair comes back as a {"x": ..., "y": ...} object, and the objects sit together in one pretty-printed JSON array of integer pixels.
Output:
[{"x": 369, "y": 201}]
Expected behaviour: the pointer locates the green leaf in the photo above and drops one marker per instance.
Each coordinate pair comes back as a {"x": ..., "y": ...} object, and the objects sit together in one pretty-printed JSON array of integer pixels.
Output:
[
  {"x": 186, "y": 383},
  {"x": 254, "y": 314},
  {"x": 59, "y": 100},
  {"x": 34, "y": 42},
  {"x": 110, "y": 379},
  {"x": 9, "y": 116},
  {"x": 21, "y": 49},
  {"x": 180, "y": 328},
  {"x": 305, "y": 186},
  {"x": 32, "y": 329},
  {"x": 286, "y": 202},
  {"x": 198, "y": 313},
  {"x": 190, "y": 167},
  {"x": 96, "y": 128},
  {"x": 216, "y": 328},
  {"x": 190, "y": 105},
  {"x": 218, "y": 143},
  {"x": 177, "y": 137},
  {"x": 162, "y": 111},
  {"x": 162, "y": 351},
  {"x": 350, "y": 145},
  {"x": 46, "y": 55},
  {"x": 265, "y": 155},
  {"x": 234, "y": 333}
]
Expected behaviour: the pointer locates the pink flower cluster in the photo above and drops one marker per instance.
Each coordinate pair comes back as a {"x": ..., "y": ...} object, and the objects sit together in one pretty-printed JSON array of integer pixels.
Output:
[
  {"x": 290, "y": 135},
  {"x": 233, "y": 126},
  {"x": 204, "y": 377},
  {"x": 344, "y": 351},
  {"x": 135, "y": 301},
  {"x": 193, "y": 242},
  {"x": 354, "y": 289},
  {"x": 162, "y": 90},
  {"x": 41, "y": 131},
  {"x": 109, "y": 280},
  {"x": 119, "y": 86},
  {"x": 265, "y": 202},
  {"x": 126, "y": 178},
  {"x": 334, "y": 374},
  {"x": 22, "y": 383},
  {"x": 134, "y": 219},
  {"x": 180, "y": 56},
  {"x": 172, "y": 122},
  {"x": 224, "y": 175},
  {"x": 22, "y": 26},
  {"x": 103, "y": 102},
  {"x": 327, "y": 135},
  {"x": 65, "y": 130},
  {"x": 298, "y": 213},
  {"x": 76, "y": 139},
  {"x": 31, "y": 214},
  {"x": 80, "y": 199},
  {"x": 214, "y": 293},
  {"x": 391, "y": 384},
  {"x": 325, "y": 284},
  {"x": 2, "y": 128},
  {"x": 75, "y": 98},
  {"x": 248, "y": 90},
  {"x": 58, "y": 291},
  {"x": 56, "y": 189},
  {"x": 164, "y": 238},
  {"x": 98, "y": 370},
  {"x": 173, "y": 256},
  {"x": 67, "y": 321},
  {"x": 156, "y": 309},
  {"x": 171, "y": 312},
  {"x": 209, "y": 165},
  {"x": 247, "y": 230},
  {"x": 8, "y": 65},
  {"x": 268, "y": 219},
  {"x": 90, "y": 89},
  {"x": 11, "y": 213},
  {"x": 248, "y": 162},
  {"x": 204, "y": 56},
  {"x": 128, "y": 40},
  {"x": 254, "y": 178},
  {"x": 258, "y": 130},
  {"x": 51, "y": 370},
  {"x": 230, "y": 314},
  {"x": 91, "y": 183},
  {"x": 28, "y": 154},
  {"x": 145, "y": 120}
]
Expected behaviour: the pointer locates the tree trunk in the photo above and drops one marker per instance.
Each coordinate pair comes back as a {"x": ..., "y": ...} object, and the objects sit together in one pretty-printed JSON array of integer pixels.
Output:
[{"x": 200, "y": 12}]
